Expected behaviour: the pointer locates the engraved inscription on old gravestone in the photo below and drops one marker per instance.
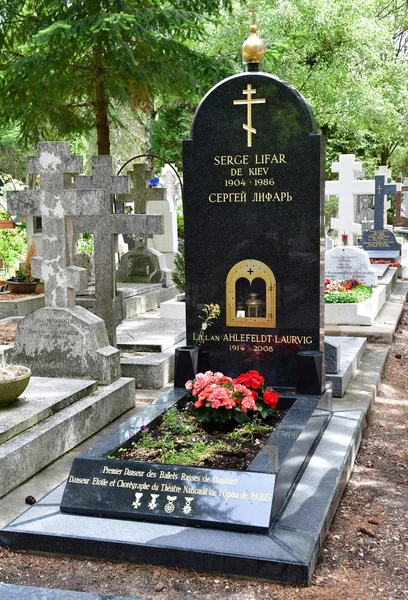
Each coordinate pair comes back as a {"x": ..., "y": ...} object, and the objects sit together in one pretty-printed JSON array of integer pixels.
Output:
[
  {"x": 345, "y": 262},
  {"x": 253, "y": 199}
]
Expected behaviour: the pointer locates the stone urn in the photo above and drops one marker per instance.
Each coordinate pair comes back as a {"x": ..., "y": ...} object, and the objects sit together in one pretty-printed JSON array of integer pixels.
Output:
[{"x": 13, "y": 381}]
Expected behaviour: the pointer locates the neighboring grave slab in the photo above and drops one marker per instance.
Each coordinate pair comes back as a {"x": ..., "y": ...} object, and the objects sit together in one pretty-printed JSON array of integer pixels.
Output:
[
  {"x": 144, "y": 265},
  {"x": 253, "y": 200},
  {"x": 345, "y": 262},
  {"x": 332, "y": 347},
  {"x": 69, "y": 342}
]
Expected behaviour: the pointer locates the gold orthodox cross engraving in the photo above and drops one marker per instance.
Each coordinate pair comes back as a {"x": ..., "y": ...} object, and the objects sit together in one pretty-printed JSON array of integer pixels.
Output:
[
  {"x": 249, "y": 102},
  {"x": 379, "y": 188}
]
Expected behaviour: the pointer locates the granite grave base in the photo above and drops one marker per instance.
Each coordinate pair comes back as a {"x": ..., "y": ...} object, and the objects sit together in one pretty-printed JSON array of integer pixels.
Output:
[
  {"x": 288, "y": 553},
  {"x": 237, "y": 500}
]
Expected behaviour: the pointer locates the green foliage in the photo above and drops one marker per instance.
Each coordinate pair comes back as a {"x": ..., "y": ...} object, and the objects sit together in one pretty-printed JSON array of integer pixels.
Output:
[
  {"x": 357, "y": 294},
  {"x": 86, "y": 244},
  {"x": 170, "y": 128},
  {"x": 248, "y": 430},
  {"x": 66, "y": 65},
  {"x": 180, "y": 225},
  {"x": 178, "y": 441},
  {"x": 178, "y": 276},
  {"x": 13, "y": 245},
  {"x": 13, "y": 154},
  {"x": 331, "y": 208}
]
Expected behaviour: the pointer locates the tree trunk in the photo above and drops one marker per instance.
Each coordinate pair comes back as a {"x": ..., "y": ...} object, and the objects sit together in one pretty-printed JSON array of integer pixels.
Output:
[
  {"x": 385, "y": 154},
  {"x": 100, "y": 103}
]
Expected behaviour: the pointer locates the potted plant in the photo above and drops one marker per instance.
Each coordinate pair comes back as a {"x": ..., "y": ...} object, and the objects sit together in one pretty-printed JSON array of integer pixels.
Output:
[
  {"x": 13, "y": 381},
  {"x": 23, "y": 282}
]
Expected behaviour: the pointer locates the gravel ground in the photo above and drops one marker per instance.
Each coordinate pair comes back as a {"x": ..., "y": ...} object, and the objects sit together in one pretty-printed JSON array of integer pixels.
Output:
[{"x": 365, "y": 554}]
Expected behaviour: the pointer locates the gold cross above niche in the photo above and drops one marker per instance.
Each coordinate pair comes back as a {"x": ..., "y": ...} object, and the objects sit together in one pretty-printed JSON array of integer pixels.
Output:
[{"x": 249, "y": 102}]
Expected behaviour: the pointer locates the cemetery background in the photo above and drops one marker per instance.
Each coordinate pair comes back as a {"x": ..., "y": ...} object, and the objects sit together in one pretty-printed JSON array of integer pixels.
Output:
[
  {"x": 249, "y": 592},
  {"x": 360, "y": 559}
]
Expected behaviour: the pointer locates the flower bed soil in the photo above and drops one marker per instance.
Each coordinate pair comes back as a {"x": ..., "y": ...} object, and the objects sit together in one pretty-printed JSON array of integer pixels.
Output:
[
  {"x": 10, "y": 296},
  {"x": 219, "y": 445}
]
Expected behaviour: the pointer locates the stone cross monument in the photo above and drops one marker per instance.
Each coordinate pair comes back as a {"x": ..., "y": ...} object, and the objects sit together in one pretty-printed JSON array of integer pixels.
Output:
[
  {"x": 56, "y": 205},
  {"x": 381, "y": 204},
  {"x": 346, "y": 188},
  {"x": 61, "y": 340},
  {"x": 104, "y": 228}
]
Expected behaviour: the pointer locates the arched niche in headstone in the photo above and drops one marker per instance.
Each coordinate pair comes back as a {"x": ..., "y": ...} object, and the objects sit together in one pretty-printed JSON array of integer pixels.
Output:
[{"x": 250, "y": 295}]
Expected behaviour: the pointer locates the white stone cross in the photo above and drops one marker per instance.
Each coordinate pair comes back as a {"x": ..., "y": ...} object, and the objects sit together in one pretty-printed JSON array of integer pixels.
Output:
[
  {"x": 346, "y": 188},
  {"x": 56, "y": 205},
  {"x": 104, "y": 228}
]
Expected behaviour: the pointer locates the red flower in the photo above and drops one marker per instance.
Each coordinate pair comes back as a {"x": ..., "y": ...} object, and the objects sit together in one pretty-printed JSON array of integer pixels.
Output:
[
  {"x": 252, "y": 380},
  {"x": 270, "y": 398}
]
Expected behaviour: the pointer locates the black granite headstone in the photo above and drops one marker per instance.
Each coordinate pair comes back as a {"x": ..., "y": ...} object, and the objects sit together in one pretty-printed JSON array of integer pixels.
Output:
[
  {"x": 381, "y": 243},
  {"x": 253, "y": 205}
]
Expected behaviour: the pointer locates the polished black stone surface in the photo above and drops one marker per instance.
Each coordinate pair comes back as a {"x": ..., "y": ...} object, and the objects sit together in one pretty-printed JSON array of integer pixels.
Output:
[
  {"x": 380, "y": 239},
  {"x": 288, "y": 553},
  {"x": 262, "y": 204},
  {"x": 233, "y": 500}
]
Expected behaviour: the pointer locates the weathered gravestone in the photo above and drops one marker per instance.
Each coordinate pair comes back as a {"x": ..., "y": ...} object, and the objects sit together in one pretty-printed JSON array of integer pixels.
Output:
[
  {"x": 381, "y": 242},
  {"x": 345, "y": 262},
  {"x": 61, "y": 340},
  {"x": 253, "y": 200},
  {"x": 104, "y": 228},
  {"x": 144, "y": 263}
]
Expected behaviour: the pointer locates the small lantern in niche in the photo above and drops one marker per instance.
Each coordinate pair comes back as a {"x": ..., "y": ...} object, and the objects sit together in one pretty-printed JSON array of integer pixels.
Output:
[
  {"x": 344, "y": 238},
  {"x": 255, "y": 307}
]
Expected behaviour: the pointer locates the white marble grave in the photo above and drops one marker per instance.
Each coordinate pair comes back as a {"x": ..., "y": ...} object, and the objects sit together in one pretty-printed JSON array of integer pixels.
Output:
[{"x": 345, "y": 262}]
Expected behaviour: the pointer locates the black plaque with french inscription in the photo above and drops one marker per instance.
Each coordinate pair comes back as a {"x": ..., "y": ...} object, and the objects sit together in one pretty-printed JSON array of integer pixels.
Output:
[
  {"x": 233, "y": 500},
  {"x": 253, "y": 205}
]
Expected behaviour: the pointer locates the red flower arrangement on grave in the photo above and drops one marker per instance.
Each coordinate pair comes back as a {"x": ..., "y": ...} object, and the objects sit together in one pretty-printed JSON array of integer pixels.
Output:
[
  {"x": 382, "y": 261},
  {"x": 340, "y": 285},
  {"x": 220, "y": 398}
]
